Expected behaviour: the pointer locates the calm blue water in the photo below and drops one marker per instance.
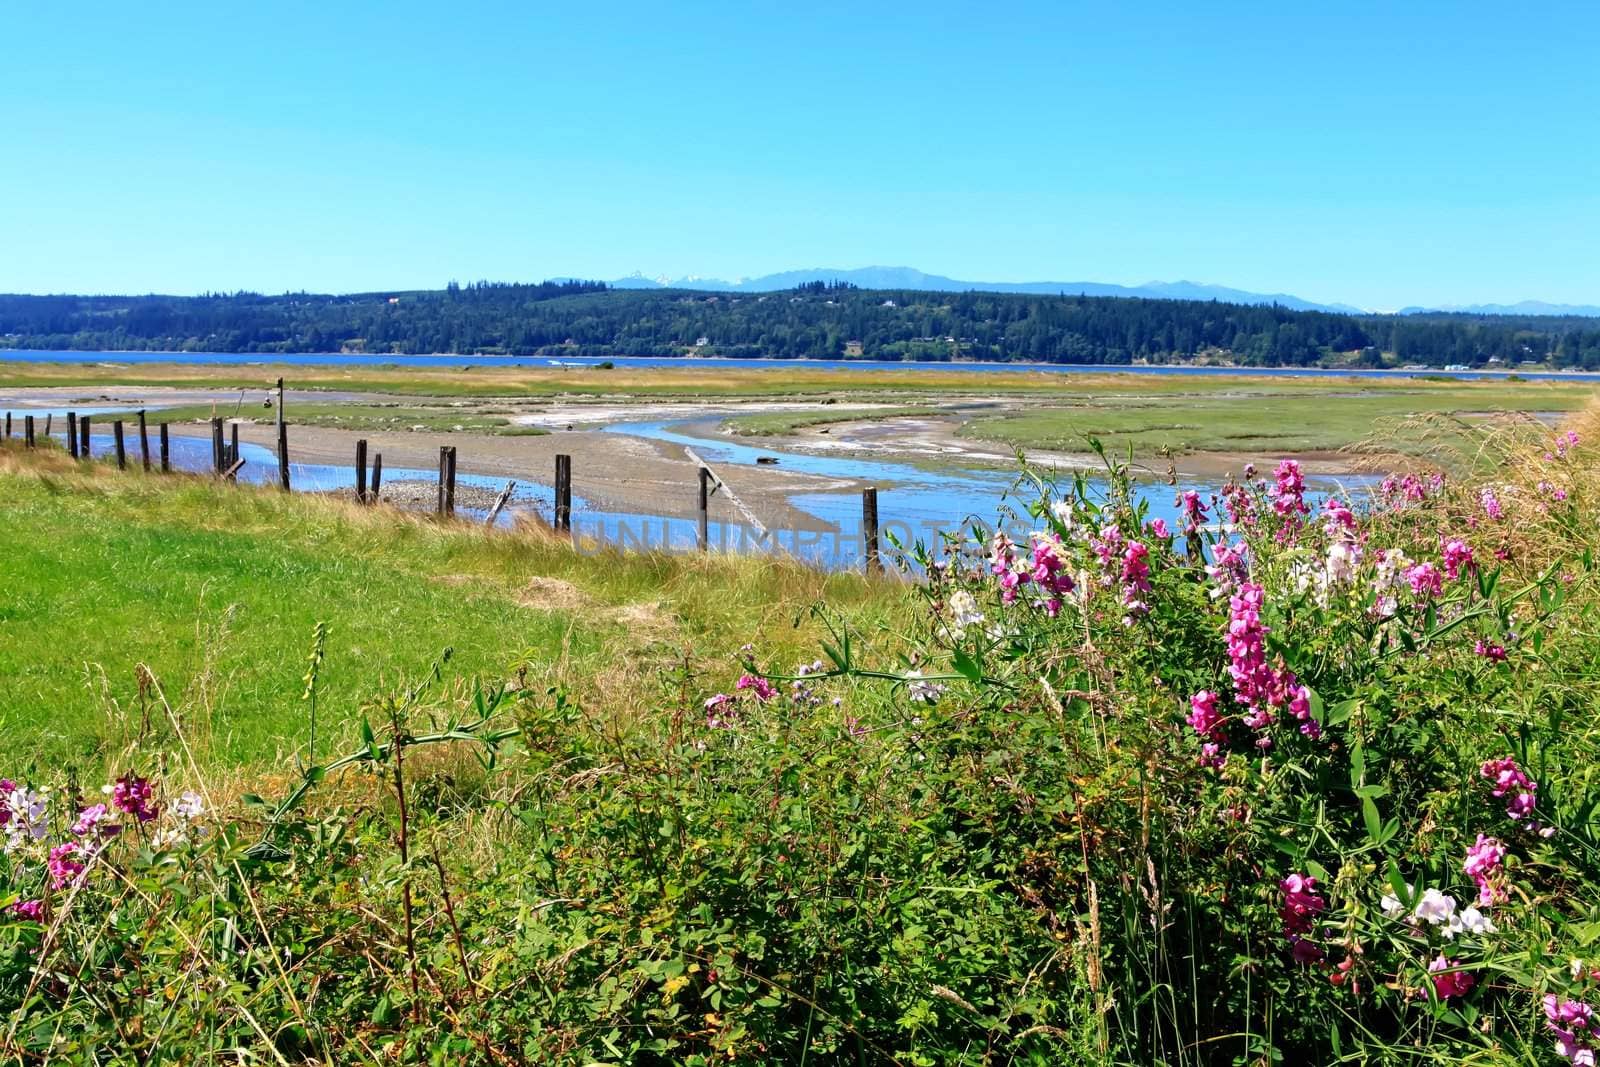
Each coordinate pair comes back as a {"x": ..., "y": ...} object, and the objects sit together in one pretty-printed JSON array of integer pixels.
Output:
[{"x": 339, "y": 359}]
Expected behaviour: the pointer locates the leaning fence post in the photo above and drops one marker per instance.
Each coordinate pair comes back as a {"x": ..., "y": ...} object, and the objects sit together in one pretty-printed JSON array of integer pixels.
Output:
[
  {"x": 144, "y": 441},
  {"x": 704, "y": 530},
  {"x": 72, "y": 434},
  {"x": 27, "y": 430},
  {"x": 122, "y": 450},
  {"x": 869, "y": 528},
  {"x": 166, "y": 451},
  {"x": 49, "y": 417},
  {"x": 361, "y": 470},
  {"x": 564, "y": 493},
  {"x": 500, "y": 503},
  {"x": 377, "y": 477}
]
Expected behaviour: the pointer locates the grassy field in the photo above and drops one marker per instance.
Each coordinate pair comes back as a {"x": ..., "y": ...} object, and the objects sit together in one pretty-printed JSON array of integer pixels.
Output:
[
  {"x": 216, "y": 590},
  {"x": 1266, "y": 418},
  {"x": 773, "y": 423},
  {"x": 359, "y": 416}
]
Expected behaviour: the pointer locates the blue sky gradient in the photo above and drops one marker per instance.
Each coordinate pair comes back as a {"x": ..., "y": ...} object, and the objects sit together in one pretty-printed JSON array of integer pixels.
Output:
[{"x": 1380, "y": 155}]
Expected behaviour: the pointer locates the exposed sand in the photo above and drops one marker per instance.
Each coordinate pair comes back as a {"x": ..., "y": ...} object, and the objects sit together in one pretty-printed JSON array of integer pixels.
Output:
[{"x": 612, "y": 471}]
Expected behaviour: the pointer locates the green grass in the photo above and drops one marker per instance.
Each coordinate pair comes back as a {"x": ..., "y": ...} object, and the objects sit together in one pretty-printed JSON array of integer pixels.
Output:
[
  {"x": 1269, "y": 420},
  {"x": 773, "y": 423},
  {"x": 216, "y": 590},
  {"x": 359, "y": 416}
]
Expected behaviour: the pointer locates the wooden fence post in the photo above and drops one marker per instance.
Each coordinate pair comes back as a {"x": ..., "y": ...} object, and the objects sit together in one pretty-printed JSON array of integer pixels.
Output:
[
  {"x": 122, "y": 449},
  {"x": 450, "y": 485},
  {"x": 361, "y": 470},
  {"x": 49, "y": 417},
  {"x": 83, "y": 431},
  {"x": 218, "y": 456},
  {"x": 283, "y": 442},
  {"x": 72, "y": 434},
  {"x": 166, "y": 451},
  {"x": 27, "y": 430},
  {"x": 144, "y": 441},
  {"x": 233, "y": 444},
  {"x": 8, "y": 426},
  {"x": 704, "y": 531},
  {"x": 564, "y": 493},
  {"x": 377, "y": 477},
  {"x": 869, "y": 528}
]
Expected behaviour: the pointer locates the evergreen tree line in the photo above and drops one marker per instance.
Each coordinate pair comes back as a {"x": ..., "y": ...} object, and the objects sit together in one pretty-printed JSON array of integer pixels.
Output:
[{"x": 813, "y": 321}]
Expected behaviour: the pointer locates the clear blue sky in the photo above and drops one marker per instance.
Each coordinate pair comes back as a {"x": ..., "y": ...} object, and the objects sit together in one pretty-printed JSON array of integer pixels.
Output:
[{"x": 1379, "y": 154}]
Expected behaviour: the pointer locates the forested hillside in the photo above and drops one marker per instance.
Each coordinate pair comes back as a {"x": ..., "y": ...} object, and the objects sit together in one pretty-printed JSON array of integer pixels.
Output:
[{"x": 816, "y": 321}]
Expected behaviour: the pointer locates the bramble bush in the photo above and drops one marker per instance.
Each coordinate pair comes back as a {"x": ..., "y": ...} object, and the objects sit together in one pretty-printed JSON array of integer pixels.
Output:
[{"x": 1298, "y": 781}]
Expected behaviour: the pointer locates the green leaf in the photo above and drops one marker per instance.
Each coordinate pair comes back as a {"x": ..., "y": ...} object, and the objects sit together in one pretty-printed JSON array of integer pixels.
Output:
[
  {"x": 966, "y": 665},
  {"x": 1369, "y": 815}
]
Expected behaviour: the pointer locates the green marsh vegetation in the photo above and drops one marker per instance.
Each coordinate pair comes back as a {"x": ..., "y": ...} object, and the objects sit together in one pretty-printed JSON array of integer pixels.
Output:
[{"x": 1078, "y": 799}]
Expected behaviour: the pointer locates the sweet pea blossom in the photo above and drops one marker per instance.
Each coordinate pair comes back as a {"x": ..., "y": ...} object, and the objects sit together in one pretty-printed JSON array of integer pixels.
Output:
[
  {"x": 132, "y": 794},
  {"x": 1425, "y": 580},
  {"x": 62, "y": 866},
  {"x": 30, "y": 910},
  {"x": 91, "y": 821},
  {"x": 1457, "y": 556},
  {"x": 921, "y": 690},
  {"x": 1508, "y": 778},
  {"x": 763, "y": 689},
  {"x": 1228, "y": 568},
  {"x": 1299, "y": 910},
  {"x": 722, "y": 712},
  {"x": 1482, "y": 865},
  {"x": 1194, "y": 511},
  {"x": 1490, "y": 503},
  {"x": 1572, "y": 1022},
  {"x": 1448, "y": 982},
  {"x": 1492, "y": 652},
  {"x": 1288, "y": 495},
  {"x": 28, "y": 817}
]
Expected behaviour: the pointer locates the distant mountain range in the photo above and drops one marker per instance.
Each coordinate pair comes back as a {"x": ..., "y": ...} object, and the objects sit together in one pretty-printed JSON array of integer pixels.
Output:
[
  {"x": 911, "y": 278},
  {"x": 1526, "y": 307}
]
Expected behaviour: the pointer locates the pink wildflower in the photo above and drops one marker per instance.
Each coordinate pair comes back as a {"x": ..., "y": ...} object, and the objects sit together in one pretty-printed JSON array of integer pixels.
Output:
[
  {"x": 1448, "y": 982},
  {"x": 1135, "y": 578},
  {"x": 30, "y": 910},
  {"x": 758, "y": 685},
  {"x": 1337, "y": 520},
  {"x": 133, "y": 795},
  {"x": 1299, "y": 911},
  {"x": 1457, "y": 558},
  {"x": 1159, "y": 529},
  {"x": 1490, "y": 652},
  {"x": 1490, "y": 503},
  {"x": 91, "y": 820},
  {"x": 1194, "y": 512},
  {"x": 1288, "y": 495},
  {"x": 1203, "y": 715},
  {"x": 63, "y": 868},
  {"x": 1483, "y": 865},
  {"x": 1572, "y": 1023},
  {"x": 722, "y": 712},
  {"x": 1425, "y": 580},
  {"x": 1508, "y": 778}
]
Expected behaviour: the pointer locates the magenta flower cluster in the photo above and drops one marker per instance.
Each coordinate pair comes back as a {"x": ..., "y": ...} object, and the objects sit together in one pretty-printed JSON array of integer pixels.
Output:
[
  {"x": 1508, "y": 779},
  {"x": 1572, "y": 1023},
  {"x": 1457, "y": 558},
  {"x": 1261, "y": 688},
  {"x": 132, "y": 794},
  {"x": 1482, "y": 865},
  {"x": 1301, "y": 906},
  {"x": 1289, "y": 492},
  {"x": 1449, "y": 982},
  {"x": 1194, "y": 511}
]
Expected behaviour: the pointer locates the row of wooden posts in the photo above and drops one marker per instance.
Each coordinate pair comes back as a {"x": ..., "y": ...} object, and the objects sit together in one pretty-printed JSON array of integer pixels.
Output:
[{"x": 226, "y": 462}]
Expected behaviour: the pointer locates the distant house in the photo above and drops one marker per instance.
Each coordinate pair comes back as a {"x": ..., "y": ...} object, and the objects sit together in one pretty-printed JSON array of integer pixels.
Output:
[
  {"x": 888, "y": 303},
  {"x": 701, "y": 342},
  {"x": 394, "y": 300},
  {"x": 853, "y": 348}
]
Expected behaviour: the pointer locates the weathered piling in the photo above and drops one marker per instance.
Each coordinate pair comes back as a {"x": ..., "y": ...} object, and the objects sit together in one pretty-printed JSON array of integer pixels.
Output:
[
  {"x": 144, "y": 441},
  {"x": 703, "y": 532},
  {"x": 166, "y": 450},
  {"x": 563, "y": 515},
  {"x": 361, "y": 470},
  {"x": 122, "y": 447},
  {"x": 72, "y": 434},
  {"x": 869, "y": 529}
]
